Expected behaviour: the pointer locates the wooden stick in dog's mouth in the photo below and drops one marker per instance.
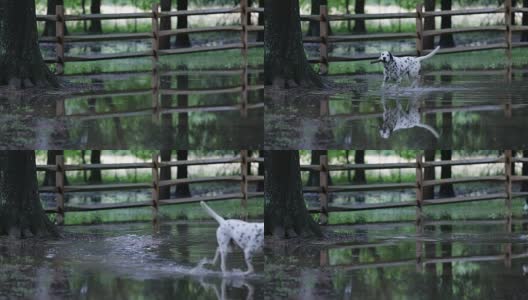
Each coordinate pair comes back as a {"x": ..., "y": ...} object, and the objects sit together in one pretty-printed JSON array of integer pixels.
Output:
[{"x": 375, "y": 61}]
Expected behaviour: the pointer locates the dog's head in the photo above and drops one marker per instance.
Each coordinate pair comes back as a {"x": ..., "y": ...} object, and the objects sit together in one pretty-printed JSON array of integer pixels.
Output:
[
  {"x": 385, "y": 131},
  {"x": 386, "y": 57}
]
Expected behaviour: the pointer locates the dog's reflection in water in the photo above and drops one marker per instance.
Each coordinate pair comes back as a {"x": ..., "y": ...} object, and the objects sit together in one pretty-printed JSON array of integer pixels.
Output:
[
  {"x": 525, "y": 270},
  {"x": 220, "y": 289}
]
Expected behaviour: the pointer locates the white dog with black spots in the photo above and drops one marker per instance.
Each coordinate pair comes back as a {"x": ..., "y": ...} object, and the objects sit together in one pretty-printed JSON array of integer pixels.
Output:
[
  {"x": 395, "y": 68},
  {"x": 248, "y": 236}
]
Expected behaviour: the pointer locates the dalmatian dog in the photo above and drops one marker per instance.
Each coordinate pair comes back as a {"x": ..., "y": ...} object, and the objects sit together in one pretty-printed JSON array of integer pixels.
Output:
[
  {"x": 248, "y": 236},
  {"x": 395, "y": 68},
  {"x": 398, "y": 118}
]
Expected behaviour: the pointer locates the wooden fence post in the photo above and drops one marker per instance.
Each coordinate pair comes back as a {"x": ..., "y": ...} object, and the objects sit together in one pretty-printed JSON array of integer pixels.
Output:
[
  {"x": 155, "y": 34},
  {"x": 244, "y": 32},
  {"x": 59, "y": 187},
  {"x": 323, "y": 189},
  {"x": 323, "y": 34},
  {"x": 244, "y": 183},
  {"x": 155, "y": 187},
  {"x": 508, "y": 187},
  {"x": 419, "y": 191},
  {"x": 59, "y": 34},
  {"x": 419, "y": 29},
  {"x": 508, "y": 22}
]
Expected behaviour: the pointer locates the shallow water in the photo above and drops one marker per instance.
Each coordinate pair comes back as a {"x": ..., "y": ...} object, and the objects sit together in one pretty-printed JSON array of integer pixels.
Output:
[
  {"x": 123, "y": 262},
  {"x": 382, "y": 262},
  {"x": 122, "y": 111},
  {"x": 461, "y": 110}
]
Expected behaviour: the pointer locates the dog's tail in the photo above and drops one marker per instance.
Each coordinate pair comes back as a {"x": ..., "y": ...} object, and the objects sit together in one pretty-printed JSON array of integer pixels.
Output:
[
  {"x": 212, "y": 213},
  {"x": 428, "y": 55}
]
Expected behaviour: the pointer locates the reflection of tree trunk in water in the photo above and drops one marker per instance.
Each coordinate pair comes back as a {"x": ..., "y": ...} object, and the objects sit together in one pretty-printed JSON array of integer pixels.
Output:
[
  {"x": 183, "y": 248},
  {"x": 446, "y": 190},
  {"x": 359, "y": 174},
  {"x": 165, "y": 174},
  {"x": 429, "y": 174},
  {"x": 182, "y": 189},
  {"x": 447, "y": 267},
  {"x": 49, "y": 177},
  {"x": 313, "y": 179},
  {"x": 260, "y": 184},
  {"x": 119, "y": 131},
  {"x": 380, "y": 274},
  {"x": 524, "y": 184},
  {"x": 285, "y": 212},
  {"x": 430, "y": 252},
  {"x": 95, "y": 175}
]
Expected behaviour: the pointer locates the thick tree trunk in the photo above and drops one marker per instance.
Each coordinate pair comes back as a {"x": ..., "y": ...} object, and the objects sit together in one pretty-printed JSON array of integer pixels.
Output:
[
  {"x": 49, "y": 177},
  {"x": 429, "y": 174},
  {"x": 165, "y": 174},
  {"x": 20, "y": 58},
  {"x": 95, "y": 175},
  {"x": 165, "y": 24},
  {"x": 524, "y": 35},
  {"x": 95, "y": 25},
  {"x": 446, "y": 190},
  {"x": 182, "y": 190},
  {"x": 285, "y": 63},
  {"x": 314, "y": 27},
  {"x": 49, "y": 26},
  {"x": 429, "y": 24},
  {"x": 446, "y": 40},
  {"x": 21, "y": 213},
  {"x": 313, "y": 178},
  {"x": 359, "y": 25},
  {"x": 285, "y": 213},
  {"x": 260, "y": 34},
  {"x": 359, "y": 174},
  {"x": 182, "y": 39}
]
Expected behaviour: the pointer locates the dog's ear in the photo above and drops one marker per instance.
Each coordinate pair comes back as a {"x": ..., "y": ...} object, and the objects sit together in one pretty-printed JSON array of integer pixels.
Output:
[{"x": 390, "y": 56}]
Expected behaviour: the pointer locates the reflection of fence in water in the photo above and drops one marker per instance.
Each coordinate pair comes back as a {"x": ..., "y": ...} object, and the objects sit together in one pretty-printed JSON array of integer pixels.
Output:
[
  {"x": 155, "y": 15},
  {"x": 60, "y": 188},
  {"x": 325, "y": 39},
  {"x": 324, "y": 189},
  {"x": 156, "y": 92}
]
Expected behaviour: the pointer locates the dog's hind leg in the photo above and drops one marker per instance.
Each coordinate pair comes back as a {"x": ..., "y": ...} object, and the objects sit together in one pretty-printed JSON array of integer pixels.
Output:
[{"x": 248, "y": 256}]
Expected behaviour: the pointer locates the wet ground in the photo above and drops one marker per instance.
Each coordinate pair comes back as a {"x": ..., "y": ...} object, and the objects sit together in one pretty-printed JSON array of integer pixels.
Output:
[
  {"x": 187, "y": 110},
  {"x": 455, "y": 110},
  {"x": 123, "y": 262},
  {"x": 395, "y": 261}
]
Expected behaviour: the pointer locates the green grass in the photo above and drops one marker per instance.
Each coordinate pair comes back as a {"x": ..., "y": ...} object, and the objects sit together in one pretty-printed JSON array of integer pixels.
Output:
[
  {"x": 490, "y": 209},
  {"x": 189, "y": 212},
  {"x": 482, "y": 60}
]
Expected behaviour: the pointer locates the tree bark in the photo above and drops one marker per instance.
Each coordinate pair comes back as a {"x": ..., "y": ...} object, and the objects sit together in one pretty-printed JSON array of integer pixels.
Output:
[
  {"x": 429, "y": 174},
  {"x": 359, "y": 25},
  {"x": 313, "y": 178},
  {"x": 285, "y": 63},
  {"x": 21, "y": 213},
  {"x": 182, "y": 189},
  {"x": 314, "y": 27},
  {"x": 446, "y": 40},
  {"x": 285, "y": 213},
  {"x": 165, "y": 24},
  {"x": 429, "y": 24},
  {"x": 49, "y": 26},
  {"x": 95, "y": 25},
  {"x": 95, "y": 175},
  {"x": 49, "y": 177},
  {"x": 20, "y": 58},
  {"x": 524, "y": 35},
  {"x": 446, "y": 190},
  {"x": 182, "y": 39},
  {"x": 359, "y": 174}
]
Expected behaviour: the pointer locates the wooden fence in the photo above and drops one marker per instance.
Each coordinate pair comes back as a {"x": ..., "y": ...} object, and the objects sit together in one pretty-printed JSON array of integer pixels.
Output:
[
  {"x": 419, "y": 15},
  {"x": 324, "y": 189},
  {"x": 60, "y": 18},
  {"x": 156, "y": 92},
  {"x": 60, "y": 189}
]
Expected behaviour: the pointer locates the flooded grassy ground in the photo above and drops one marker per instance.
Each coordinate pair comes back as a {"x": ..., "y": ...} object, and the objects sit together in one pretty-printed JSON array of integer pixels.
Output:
[
  {"x": 446, "y": 261},
  {"x": 126, "y": 261},
  {"x": 457, "y": 110}
]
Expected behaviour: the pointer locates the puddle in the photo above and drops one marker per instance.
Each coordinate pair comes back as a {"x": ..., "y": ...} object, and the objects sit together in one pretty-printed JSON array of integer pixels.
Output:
[
  {"x": 472, "y": 110},
  {"x": 125, "y": 261}
]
